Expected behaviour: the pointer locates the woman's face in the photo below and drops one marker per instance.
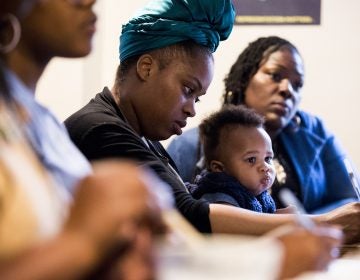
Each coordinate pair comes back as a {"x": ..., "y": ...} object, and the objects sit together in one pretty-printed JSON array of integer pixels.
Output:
[
  {"x": 59, "y": 28},
  {"x": 171, "y": 94},
  {"x": 275, "y": 89}
]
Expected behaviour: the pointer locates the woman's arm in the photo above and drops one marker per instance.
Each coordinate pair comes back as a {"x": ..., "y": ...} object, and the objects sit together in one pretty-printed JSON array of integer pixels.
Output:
[
  {"x": 228, "y": 219},
  {"x": 68, "y": 256}
]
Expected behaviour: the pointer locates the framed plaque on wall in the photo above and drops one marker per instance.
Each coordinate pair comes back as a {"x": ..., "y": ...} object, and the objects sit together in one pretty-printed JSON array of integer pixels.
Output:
[{"x": 295, "y": 12}]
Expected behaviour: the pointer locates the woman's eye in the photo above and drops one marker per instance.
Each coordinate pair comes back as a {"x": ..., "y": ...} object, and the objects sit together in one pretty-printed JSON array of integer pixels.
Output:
[
  {"x": 188, "y": 91},
  {"x": 276, "y": 77},
  {"x": 297, "y": 86}
]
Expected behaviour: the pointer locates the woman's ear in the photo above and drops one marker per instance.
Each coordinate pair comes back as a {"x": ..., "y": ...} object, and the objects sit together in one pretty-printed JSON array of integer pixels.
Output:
[
  {"x": 216, "y": 166},
  {"x": 144, "y": 66}
]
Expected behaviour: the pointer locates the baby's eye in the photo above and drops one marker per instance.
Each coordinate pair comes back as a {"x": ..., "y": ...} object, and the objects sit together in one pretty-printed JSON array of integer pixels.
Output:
[
  {"x": 268, "y": 159},
  {"x": 251, "y": 160}
]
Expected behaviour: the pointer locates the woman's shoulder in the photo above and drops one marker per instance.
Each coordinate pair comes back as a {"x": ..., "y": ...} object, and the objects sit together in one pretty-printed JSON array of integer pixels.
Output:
[
  {"x": 312, "y": 124},
  {"x": 310, "y": 121}
]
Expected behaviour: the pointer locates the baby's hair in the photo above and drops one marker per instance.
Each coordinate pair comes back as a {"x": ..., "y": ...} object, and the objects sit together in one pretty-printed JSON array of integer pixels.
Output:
[{"x": 228, "y": 117}]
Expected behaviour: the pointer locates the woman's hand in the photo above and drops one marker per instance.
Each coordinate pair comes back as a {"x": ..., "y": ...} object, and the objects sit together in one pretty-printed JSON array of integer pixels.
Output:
[
  {"x": 348, "y": 218},
  {"x": 306, "y": 250},
  {"x": 117, "y": 214}
]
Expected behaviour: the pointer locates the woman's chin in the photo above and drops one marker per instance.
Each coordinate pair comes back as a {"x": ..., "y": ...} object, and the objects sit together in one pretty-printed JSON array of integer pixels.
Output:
[{"x": 275, "y": 123}]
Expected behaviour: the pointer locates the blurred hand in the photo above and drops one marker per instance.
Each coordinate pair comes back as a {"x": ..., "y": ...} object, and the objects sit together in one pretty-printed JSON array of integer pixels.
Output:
[
  {"x": 137, "y": 262},
  {"x": 307, "y": 250},
  {"x": 291, "y": 209},
  {"x": 348, "y": 218},
  {"x": 116, "y": 211}
]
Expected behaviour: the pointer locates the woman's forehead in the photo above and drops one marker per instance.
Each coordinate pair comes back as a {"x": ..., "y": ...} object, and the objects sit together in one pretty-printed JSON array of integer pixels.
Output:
[{"x": 285, "y": 58}]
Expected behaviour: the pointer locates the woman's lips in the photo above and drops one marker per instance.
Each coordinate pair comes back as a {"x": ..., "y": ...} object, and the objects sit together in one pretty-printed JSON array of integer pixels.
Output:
[
  {"x": 178, "y": 125},
  {"x": 90, "y": 25},
  {"x": 280, "y": 108},
  {"x": 182, "y": 124}
]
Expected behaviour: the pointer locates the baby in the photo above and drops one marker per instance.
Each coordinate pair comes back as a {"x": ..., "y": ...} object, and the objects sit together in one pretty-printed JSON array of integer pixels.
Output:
[{"x": 239, "y": 160}]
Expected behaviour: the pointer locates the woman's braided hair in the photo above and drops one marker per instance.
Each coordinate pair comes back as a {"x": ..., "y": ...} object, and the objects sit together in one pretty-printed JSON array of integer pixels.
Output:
[{"x": 248, "y": 64}]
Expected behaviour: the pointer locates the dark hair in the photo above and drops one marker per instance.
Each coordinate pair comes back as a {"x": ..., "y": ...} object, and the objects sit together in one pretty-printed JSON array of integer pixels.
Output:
[
  {"x": 4, "y": 88},
  {"x": 6, "y": 7},
  {"x": 228, "y": 117},
  {"x": 248, "y": 64},
  {"x": 165, "y": 55}
]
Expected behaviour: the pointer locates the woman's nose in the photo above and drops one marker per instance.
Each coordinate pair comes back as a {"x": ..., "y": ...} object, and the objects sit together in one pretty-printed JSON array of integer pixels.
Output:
[
  {"x": 189, "y": 108},
  {"x": 286, "y": 89}
]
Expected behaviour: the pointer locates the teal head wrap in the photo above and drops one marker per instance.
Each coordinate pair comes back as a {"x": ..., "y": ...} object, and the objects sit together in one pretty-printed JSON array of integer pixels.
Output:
[{"x": 165, "y": 22}]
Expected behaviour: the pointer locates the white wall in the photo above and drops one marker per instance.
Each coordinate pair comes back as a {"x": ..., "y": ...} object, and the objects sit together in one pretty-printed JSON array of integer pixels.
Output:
[{"x": 331, "y": 52}]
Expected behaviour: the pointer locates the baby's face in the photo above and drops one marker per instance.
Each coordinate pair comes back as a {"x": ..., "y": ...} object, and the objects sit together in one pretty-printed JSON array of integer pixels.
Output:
[{"x": 247, "y": 155}]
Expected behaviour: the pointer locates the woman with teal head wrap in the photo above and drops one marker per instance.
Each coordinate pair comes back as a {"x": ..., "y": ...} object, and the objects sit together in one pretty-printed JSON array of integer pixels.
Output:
[
  {"x": 166, "y": 65},
  {"x": 166, "y": 22}
]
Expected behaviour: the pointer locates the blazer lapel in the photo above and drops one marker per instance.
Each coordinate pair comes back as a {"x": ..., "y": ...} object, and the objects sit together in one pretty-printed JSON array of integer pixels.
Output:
[{"x": 303, "y": 148}]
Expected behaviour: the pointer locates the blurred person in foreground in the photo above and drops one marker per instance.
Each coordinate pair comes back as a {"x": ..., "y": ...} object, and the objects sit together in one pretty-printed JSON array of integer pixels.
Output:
[{"x": 60, "y": 218}]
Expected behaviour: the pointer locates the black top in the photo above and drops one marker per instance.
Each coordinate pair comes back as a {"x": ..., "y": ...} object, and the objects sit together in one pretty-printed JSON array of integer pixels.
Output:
[{"x": 100, "y": 130}]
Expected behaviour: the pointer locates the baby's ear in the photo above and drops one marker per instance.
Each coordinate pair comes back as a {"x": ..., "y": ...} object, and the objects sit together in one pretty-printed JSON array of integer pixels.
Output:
[{"x": 216, "y": 166}]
